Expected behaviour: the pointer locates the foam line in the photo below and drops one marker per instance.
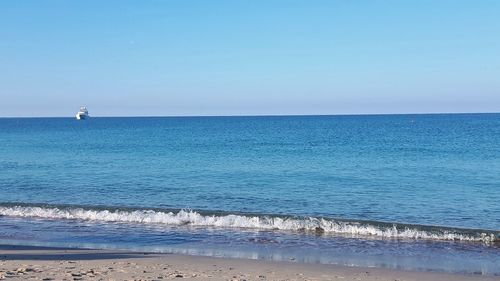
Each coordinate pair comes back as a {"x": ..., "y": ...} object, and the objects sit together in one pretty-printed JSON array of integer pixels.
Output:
[{"x": 193, "y": 218}]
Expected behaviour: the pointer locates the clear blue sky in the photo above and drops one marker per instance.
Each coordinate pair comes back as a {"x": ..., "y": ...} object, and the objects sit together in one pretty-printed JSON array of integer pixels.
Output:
[{"x": 237, "y": 57}]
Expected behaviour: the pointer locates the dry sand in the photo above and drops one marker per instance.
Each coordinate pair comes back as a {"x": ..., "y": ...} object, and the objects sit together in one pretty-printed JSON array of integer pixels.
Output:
[{"x": 35, "y": 263}]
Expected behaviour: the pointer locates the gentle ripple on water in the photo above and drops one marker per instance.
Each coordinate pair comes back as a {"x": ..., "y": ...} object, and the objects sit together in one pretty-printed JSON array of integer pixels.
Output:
[{"x": 407, "y": 169}]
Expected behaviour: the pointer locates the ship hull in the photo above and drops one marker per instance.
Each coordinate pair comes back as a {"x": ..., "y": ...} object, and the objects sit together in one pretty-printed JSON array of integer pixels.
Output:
[{"x": 81, "y": 116}]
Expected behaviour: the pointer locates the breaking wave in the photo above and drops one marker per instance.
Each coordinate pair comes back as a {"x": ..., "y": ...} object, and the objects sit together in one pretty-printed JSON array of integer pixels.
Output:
[{"x": 314, "y": 225}]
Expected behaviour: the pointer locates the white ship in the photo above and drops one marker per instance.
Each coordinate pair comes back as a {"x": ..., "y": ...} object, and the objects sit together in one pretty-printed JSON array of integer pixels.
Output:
[{"x": 82, "y": 114}]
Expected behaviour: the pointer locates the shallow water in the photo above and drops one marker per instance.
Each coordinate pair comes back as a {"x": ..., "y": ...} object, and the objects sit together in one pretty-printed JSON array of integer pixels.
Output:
[{"x": 356, "y": 190}]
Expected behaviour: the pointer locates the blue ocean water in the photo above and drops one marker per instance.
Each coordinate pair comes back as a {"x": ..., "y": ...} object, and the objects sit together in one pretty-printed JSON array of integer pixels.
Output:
[{"x": 404, "y": 191}]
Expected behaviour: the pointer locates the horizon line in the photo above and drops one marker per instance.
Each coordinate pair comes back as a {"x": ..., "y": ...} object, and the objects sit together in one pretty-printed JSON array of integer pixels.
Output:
[{"x": 255, "y": 115}]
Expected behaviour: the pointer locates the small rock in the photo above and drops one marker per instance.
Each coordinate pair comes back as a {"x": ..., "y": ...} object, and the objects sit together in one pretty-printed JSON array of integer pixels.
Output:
[{"x": 179, "y": 276}]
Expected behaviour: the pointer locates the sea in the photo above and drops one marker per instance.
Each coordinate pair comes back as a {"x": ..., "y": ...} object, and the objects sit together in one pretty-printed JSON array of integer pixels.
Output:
[{"x": 412, "y": 192}]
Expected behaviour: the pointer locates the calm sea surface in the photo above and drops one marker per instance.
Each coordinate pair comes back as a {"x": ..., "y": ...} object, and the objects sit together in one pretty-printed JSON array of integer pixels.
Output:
[{"x": 400, "y": 191}]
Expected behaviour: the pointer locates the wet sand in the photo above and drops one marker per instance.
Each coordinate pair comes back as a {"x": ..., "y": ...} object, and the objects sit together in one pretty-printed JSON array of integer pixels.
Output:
[{"x": 38, "y": 263}]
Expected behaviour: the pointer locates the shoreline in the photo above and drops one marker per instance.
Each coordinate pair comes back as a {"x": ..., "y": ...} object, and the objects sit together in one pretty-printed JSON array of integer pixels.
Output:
[{"x": 50, "y": 263}]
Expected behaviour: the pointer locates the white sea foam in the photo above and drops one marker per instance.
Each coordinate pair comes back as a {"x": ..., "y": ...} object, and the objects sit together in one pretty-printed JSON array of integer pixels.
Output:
[{"x": 188, "y": 217}]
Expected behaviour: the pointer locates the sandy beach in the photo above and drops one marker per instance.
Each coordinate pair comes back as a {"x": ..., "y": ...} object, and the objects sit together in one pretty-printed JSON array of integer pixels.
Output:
[{"x": 37, "y": 263}]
